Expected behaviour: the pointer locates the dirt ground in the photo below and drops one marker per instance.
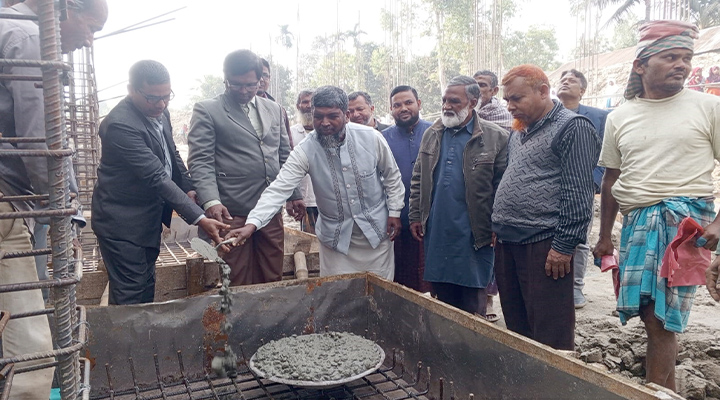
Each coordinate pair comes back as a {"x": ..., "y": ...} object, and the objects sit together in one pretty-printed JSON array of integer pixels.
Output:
[{"x": 602, "y": 341}]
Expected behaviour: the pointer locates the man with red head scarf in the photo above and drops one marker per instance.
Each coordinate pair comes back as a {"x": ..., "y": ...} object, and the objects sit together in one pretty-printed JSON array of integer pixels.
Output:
[
  {"x": 659, "y": 151},
  {"x": 542, "y": 209}
]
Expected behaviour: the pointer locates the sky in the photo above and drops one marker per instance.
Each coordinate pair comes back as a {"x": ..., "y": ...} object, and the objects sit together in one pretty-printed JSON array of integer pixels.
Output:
[{"x": 196, "y": 41}]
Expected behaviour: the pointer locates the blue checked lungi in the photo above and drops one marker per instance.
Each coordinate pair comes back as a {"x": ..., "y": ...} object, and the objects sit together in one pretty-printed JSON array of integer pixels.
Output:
[{"x": 646, "y": 233}]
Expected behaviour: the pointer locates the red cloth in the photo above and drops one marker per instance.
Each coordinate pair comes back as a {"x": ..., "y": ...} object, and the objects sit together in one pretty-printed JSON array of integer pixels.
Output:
[
  {"x": 610, "y": 262},
  {"x": 659, "y": 29},
  {"x": 683, "y": 263}
]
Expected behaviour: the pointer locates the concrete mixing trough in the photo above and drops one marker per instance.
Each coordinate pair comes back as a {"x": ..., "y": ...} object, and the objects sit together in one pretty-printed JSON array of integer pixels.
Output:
[{"x": 476, "y": 356}]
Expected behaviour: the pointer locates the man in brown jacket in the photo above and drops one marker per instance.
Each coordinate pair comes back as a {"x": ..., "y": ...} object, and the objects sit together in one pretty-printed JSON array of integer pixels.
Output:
[{"x": 460, "y": 163}]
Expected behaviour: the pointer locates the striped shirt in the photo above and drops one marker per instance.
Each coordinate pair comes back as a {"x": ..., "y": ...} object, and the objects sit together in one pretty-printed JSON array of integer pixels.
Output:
[
  {"x": 495, "y": 112},
  {"x": 547, "y": 189}
]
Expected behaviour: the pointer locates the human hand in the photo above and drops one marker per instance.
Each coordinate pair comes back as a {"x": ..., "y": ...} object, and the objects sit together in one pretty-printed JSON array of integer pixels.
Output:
[
  {"x": 296, "y": 209},
  {"x": 557, "y": 264},
  {"x": 393, "y": 227},
  {"x": 712, "y": 278},
  {"x": 193, "y": 196},
  {"x": 416, "y": 231},
  {"x": 710, "y": 237},
  {"x": 218, "y": 212},
  {"x": 213, "y": 228},
  {"x": 604, "y": 247},
  {"x": 241, "y": 234}
]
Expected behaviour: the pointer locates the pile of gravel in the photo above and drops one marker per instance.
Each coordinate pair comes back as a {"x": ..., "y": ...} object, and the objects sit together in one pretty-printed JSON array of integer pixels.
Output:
[{"x": 322, "y": 357}]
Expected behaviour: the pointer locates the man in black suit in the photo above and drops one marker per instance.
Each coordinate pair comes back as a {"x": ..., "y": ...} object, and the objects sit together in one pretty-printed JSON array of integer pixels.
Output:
[{"x": 141, "y": 179}]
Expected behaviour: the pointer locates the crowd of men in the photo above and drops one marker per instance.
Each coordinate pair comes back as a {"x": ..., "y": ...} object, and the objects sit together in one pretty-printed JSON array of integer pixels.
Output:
[{"x": 490, "y": 198}]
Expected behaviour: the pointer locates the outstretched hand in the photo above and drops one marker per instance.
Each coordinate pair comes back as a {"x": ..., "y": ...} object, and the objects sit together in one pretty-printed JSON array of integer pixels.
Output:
[
  {"x": 213, "y": 228},
  {"x": 241, "y": 234}
]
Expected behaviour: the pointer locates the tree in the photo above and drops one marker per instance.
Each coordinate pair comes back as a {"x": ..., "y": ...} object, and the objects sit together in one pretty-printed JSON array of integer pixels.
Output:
[
  {"x": 624, "y": 8},
  {"x": 208, "y": 87},
  {"x": 285, "y": 39},
  {"x": 705, "y": 13},
  {"x": 625, "y": 34},
  {"x": 536, "y": 46}
]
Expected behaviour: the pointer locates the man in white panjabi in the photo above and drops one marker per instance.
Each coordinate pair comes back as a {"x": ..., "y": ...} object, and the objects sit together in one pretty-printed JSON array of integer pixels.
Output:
[{"x": 358, "y": 189}]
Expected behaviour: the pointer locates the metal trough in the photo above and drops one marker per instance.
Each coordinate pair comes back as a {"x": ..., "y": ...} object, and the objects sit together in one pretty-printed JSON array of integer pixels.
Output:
[{"x": 163, "y": 350}]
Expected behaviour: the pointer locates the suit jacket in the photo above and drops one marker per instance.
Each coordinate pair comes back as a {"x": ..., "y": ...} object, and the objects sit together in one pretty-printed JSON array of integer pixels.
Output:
[
  {"x": 228, "y": 160},
  {"x": 134, "y": 195},
  {"x": 597, "y": 117}
]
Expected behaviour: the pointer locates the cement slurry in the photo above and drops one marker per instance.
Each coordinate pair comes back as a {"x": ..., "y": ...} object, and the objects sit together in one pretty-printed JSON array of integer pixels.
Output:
[{"x": 322, "y": 357}]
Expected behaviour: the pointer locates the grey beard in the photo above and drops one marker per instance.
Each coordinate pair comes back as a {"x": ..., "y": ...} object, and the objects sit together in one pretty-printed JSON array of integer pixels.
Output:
[
  {"x": 455, "y": 120},
  {"x": 306, "y": 119},
  {"x": 331, "y": 141}
]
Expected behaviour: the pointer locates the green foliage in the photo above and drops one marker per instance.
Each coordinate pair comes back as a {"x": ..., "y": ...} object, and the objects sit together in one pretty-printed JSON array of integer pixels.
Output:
[
  {"x": 705, "y": 13},
  {"x": 208, "y": 87},
  {"x": 537, "y": 45},
  {"x": 625, "y": 34}
]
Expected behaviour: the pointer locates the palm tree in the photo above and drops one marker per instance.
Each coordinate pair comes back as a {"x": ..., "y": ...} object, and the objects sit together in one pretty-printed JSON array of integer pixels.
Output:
[
  {"x": 624, "y": 7},
  {"x": 705, "y": 13},
  {"x": 286, "y": 37}
]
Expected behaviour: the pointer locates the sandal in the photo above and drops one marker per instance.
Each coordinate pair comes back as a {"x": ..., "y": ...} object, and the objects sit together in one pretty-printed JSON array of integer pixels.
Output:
[{"x": 491, "y": 317}]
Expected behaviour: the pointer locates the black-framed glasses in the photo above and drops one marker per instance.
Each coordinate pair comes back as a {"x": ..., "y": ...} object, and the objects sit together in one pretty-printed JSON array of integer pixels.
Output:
[
  {"x": 241, "y": 86},
  {"x": 156, "y": 99}
]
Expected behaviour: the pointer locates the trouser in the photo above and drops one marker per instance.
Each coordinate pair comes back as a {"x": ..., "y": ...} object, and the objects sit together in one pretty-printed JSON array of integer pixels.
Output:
[
  {"x": 472, "y": 300},
  {"x": 580, "y": 259},
  {"x": 410, "y": 262},
  {"x": 24, "y": 335},
  {"x": 131, "y": 270},
  {"x": 307, "y": 224},
  {"x": 40, "y": 233},
  {"x": 260, "y": 259},
  {"x": 535, "y": 305}
]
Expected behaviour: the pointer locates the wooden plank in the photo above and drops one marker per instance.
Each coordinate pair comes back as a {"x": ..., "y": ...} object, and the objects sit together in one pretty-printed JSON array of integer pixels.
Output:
[
  {"x": 195, "y": 275},
  {"x": 91, "y": 286}
]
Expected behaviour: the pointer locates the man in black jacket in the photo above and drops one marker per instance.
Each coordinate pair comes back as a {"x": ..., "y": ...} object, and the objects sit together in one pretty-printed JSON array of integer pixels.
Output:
[{"x": 141, "y": 179}]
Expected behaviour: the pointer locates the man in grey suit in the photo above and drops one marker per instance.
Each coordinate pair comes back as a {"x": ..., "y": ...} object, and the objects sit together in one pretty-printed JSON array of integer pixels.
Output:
[
  {"x": 141, "y": 179},
  {"x": 237, "y": 144}
]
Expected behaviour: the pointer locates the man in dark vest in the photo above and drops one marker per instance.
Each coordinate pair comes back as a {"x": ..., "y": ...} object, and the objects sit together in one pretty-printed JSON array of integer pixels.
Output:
[{"x": 542, "y": 209}]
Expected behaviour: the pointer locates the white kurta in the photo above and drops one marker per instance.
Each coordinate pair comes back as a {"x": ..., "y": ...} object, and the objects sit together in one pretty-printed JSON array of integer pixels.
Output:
[{"x": 360, "y": 256}]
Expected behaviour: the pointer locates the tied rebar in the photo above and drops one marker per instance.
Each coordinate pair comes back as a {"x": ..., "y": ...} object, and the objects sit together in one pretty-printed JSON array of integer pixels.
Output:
[{"x": 59, "y": 198}]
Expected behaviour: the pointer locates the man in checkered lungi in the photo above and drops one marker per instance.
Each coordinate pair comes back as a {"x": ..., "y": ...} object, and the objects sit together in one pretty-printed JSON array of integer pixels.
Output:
[{"x": 659, "y": 151}]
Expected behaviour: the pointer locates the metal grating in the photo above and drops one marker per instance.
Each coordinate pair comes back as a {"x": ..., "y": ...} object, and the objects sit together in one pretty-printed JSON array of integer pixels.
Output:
[{"x": 392, "y": 381}]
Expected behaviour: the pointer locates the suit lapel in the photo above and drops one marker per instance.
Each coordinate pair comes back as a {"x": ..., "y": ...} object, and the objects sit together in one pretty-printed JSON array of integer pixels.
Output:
[
  {"x": 149, "y": 130},
  {"x": 238, "y": 116}
]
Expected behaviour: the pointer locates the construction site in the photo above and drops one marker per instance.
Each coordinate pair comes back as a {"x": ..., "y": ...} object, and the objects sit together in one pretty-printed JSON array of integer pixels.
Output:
[{"x": 166, "y": 349}]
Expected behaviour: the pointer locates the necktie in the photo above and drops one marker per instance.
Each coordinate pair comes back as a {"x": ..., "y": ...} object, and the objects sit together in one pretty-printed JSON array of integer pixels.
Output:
[{"x": 245, "y": 108}]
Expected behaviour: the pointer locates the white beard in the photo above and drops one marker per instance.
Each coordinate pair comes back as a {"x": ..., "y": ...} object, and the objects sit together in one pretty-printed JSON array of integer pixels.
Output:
[
  {"x": 306, "y": 119},
  {"x": 455, "y": 120}
]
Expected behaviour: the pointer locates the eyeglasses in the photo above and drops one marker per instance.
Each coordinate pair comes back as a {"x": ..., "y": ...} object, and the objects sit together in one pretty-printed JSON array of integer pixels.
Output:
[
  {"x": 265, "y": 76},
  {"x": 241, "y": 86},
  {"x": 156, "y": 99}
]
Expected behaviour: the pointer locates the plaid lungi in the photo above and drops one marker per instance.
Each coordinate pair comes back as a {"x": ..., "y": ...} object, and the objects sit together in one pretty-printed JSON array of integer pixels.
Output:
[{"x": 646, "y": 233}]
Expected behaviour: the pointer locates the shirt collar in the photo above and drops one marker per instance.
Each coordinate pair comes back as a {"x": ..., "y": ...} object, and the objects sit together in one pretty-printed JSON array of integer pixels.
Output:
[
  {"x": 253, "y": 102},
  {"x": 493, "y": 103},
  {"x": 539, "y": 124}
]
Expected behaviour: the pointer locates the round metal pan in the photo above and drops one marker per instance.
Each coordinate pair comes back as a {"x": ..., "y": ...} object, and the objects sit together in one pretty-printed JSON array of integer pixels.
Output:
[{"x": 316, "y": 384}]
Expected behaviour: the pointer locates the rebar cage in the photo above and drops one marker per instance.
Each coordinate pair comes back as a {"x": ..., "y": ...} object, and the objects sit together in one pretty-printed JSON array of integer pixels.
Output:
[{"x": 68, "y": 320}]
